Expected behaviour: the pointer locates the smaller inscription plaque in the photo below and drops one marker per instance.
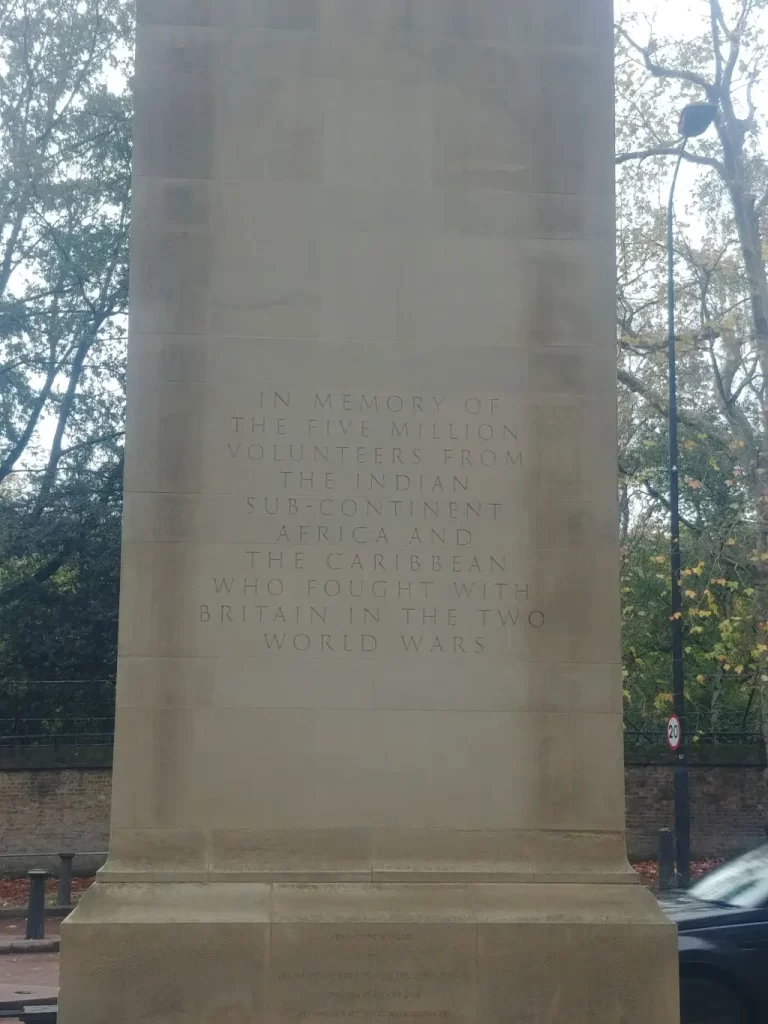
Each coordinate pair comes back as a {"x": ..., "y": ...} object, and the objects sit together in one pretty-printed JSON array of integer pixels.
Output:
[{"x": 372, "y": 973}]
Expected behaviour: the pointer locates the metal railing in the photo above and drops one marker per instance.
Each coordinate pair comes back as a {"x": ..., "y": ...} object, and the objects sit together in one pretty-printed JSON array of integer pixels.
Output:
[
  {"x": 65, "y": 713},
  {"x": 87, "y": 732},
  {"x": 705, "y": 728},
  {"x": 655, "y": 736},
  {"x": 72, "y": 732}
]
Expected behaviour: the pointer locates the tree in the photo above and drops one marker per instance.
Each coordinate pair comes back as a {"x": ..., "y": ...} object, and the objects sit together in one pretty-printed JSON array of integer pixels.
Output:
[
  {"x": 64, "y": 215},
  {"x": 723, "y": 338},
  {"x": 64, "y": 201}
]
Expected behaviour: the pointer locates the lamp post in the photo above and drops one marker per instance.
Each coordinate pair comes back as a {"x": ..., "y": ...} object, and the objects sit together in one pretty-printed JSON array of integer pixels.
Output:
[{"x": 694, "y": 120}]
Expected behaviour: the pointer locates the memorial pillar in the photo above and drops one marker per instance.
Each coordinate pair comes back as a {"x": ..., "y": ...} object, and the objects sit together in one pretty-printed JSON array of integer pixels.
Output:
[{"x": 369, "y": 757}]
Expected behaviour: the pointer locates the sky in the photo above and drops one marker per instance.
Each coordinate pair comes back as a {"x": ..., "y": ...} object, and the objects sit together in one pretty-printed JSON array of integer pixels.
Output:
[{"x": 669, "y": 15}]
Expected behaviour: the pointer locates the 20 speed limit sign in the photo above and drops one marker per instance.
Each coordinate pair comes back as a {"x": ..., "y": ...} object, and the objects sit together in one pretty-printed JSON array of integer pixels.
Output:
[{"x": 674, "y": 733}]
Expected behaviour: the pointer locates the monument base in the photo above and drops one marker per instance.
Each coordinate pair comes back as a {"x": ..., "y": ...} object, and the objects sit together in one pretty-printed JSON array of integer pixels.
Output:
[{"x": 242, "y": 953}]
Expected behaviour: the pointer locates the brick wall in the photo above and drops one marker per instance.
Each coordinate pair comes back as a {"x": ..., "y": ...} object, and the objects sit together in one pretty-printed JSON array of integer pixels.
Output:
[
  {"x": 54, "y": 811},
  {"x": 729, "y": 807},
  {"x": 47, "y": 811}
]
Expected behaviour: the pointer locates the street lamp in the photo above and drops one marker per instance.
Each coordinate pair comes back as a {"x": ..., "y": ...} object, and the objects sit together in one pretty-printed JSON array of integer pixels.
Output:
[{"x": 694, "y": 120}]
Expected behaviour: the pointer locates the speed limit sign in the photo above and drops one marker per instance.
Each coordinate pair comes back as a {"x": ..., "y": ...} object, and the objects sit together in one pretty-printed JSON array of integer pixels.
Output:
[{"x": 674, "y": 733}]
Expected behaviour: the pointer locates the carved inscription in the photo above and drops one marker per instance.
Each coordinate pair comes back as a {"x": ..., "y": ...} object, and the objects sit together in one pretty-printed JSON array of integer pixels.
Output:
[
  {"x": 371, "y": 974},
  {"x": 379, "y": 522}
]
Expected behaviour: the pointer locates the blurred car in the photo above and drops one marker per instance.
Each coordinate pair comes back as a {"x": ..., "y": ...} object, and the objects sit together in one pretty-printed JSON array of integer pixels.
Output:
[{"x": 722, "y": 924}]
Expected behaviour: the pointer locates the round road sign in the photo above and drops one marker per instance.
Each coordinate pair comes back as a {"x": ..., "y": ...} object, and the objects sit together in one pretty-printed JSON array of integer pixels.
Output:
[{"x": 674, "y": 733}]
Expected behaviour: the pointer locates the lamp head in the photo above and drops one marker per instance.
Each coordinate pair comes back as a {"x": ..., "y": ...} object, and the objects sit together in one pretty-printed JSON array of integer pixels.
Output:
[{"x": 696, "y": 118}]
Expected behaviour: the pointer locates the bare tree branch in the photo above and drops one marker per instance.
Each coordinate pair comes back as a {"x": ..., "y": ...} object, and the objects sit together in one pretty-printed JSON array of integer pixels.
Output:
[
  {"x": 654, "y": 493},
  {"x": 691, "y": 419},
  {"x": 56, "y": 452},
  {"x": 670, "y": 149},
  {"x": 660, "y": 71}
]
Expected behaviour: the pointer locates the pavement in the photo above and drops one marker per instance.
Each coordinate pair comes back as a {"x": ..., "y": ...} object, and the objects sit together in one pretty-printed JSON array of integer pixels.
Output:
[
  {"x": 13, "y": 934},
  {"x": 29, "y": 977},
  {"x": 15, "y": 928}
]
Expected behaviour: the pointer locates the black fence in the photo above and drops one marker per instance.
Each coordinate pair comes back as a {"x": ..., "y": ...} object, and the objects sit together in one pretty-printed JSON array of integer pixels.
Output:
[
  {"x": 655, "y": 736},
  {"x": 59, "y": 713},
  {"x": 705, "y": 728},
  {"x": 41, "y": 732},
  {"x": 100, "y": 732},
  {"x": 77, "y": 715}
]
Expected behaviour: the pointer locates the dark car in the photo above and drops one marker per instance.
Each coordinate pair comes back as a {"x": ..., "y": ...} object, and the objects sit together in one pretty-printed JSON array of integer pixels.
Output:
[{"x": 722, "y": 926}]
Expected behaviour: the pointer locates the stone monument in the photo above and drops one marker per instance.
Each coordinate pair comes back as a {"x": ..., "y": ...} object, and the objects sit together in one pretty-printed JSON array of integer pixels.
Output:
[{"x": 368, "y": 762}]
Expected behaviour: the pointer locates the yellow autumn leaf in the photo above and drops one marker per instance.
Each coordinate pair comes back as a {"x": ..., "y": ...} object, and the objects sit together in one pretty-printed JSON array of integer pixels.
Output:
[
  {"x": 691, "y": 594},
  {"x": 701, "y": 679}
]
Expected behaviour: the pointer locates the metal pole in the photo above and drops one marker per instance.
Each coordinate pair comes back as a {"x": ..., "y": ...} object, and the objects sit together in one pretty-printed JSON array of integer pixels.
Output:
[
  {"x": 682, "y": 809},
  {"x": 666, "y": 859},
  {"x": 64, "y": 886},
  {"x": 36, "y": 906}
]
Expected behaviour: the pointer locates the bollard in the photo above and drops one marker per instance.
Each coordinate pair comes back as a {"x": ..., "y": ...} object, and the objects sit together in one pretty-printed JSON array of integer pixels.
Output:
[
  {"x": 666, "y": 859},
  {"x": 64, "y": 885},
  {"x": 36, "y": 907}
]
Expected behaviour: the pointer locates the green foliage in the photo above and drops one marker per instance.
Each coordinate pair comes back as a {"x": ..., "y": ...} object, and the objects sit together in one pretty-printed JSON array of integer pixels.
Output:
[
  {"x": 64, "y": 213},
  {"x": 722, "y": 355}
]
